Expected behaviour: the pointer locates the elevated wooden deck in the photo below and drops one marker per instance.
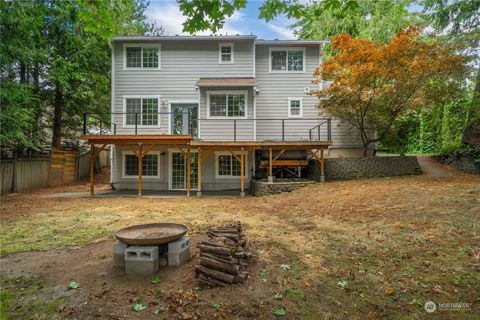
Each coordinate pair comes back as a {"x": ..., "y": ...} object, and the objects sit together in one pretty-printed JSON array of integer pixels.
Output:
[{"x": 140, "y": 145}]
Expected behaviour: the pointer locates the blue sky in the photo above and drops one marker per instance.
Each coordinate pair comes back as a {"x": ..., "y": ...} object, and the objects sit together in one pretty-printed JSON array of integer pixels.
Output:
[{"x": 166, "y": 13}]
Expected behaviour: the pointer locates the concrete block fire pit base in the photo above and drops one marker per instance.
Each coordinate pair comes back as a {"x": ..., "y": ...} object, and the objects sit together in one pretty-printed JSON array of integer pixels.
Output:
[
  {"x": 119, "y": 253},
  {"x": 179, "y": 252},
  {"x": 141, "y": 260}
]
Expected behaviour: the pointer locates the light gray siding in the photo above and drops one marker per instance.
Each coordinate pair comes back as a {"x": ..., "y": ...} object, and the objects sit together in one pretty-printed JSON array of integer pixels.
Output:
[
  {"x": 209, "y": 180},
  {"x": 272, "y": 101},
  {"x": 181, "y": 66},
  {"x": 223, "y": 129}
]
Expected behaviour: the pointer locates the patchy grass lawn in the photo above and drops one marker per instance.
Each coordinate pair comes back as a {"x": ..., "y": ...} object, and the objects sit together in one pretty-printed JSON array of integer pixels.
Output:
[{"x": 366, "y": 249}]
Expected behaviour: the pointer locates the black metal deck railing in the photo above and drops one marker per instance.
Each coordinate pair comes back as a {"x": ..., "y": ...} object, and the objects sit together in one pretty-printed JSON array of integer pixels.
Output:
[{"x": 117, "y": 124}]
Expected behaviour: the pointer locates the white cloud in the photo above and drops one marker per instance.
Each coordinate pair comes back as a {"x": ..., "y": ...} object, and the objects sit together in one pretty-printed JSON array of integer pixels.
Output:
[
  {"x": 283, "y": 32},
  {"x": 169, "y": 16}
]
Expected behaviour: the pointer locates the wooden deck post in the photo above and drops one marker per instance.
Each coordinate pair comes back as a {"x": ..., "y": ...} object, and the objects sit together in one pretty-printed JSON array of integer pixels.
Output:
[
  {"x": 140, "y": 169},
  {"x": 199, "y": 173},
  {"x": 270, "y": 166},
  {"x": 92, "y": 169},
  {"x": 188, "y": 171},
  {"x": 322, "y": 166},
  {"x": 242, "y": 172}
]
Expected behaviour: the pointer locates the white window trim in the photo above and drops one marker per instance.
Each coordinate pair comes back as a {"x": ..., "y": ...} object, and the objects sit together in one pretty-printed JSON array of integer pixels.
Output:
[
  {"x": 225, "y": 44},
  {"x": 290, "y": 115},
  {"x": 245, "y": 92},
  {"x": 140, "y": 97},
  {"x": 197, "y": 102},
  {"x": 170, "y": 163},
  {"x": 142, "y": 45},
  {"x": 226, "y": 153},
  {"x": 286, "y": 49},
  {"x": 124, "y": 176}
]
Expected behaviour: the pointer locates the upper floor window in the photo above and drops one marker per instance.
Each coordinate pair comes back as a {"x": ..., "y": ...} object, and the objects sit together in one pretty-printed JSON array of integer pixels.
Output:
[
  {"x": 142, "y": 57},
  {"x": 225, "y": 53},
  {"x": 295, "y": 107},
  {"x": 227, "y": 104},
  {"x": 142, "y": 111},
  {"x": 287, "y": 60}
]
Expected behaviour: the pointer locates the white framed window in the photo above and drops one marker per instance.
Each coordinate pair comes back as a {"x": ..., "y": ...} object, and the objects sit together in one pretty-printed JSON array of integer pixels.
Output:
[
  {"x": 287, "y": 59},
  {"x": 227, "y": 104},
  {"x": 145, "y": 110},
  {"x": 141, "y": 56},
  {"x": 295, "y": 107},
  {"x": 225, "y": 52},
  {"x": 228, "y": 166},
  {"x": 150, "y": 165}
]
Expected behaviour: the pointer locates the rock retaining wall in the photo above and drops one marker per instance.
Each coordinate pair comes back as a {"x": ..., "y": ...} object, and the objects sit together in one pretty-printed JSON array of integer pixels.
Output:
[
  {"x": 260, "y": 188},
  {"x": 364, "y": 167},
  {"x": 465, "y": 163}
]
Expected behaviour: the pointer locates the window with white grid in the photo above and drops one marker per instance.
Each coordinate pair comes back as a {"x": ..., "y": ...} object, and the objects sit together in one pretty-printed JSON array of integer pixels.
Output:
[
  {"x": 149, "y": 165},
  {"x": 132, "y": 106},
  {"x": 227, "y": 105},
  {"x": 142, "y": 57},
  {"x": 287, "y": 60},
  {"x": 144, "y": 110},
  {"x": 295, "y": 108},
  {"x": 226, "y": 52},
  {"x": 150, "y": 112},
  {"x": 134, "y": 57},
  {"x": 228, "y": 165}
]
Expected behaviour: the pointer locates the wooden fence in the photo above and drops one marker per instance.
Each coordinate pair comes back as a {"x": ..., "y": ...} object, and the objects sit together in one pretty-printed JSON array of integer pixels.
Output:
[{"x": 62, "y": 168}]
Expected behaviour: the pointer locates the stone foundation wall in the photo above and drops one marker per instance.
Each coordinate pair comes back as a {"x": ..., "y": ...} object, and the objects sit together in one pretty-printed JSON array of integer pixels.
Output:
[
  {"x": 260, "y": 188},
  {"x": 364, "y": 167}
]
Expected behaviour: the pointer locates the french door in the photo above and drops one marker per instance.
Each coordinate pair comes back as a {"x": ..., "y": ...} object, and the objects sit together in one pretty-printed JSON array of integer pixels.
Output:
[
  {"x": 184, "y": 118},
  {"x": 178, "y": 170}
]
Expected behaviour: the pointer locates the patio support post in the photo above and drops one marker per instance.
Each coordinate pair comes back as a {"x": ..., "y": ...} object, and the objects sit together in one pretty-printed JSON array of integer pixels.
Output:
[
  {"x": 322, "y": 166},
  {"x": 242, "y": 172},
  {"x": 188, "y": 171},
  {"x": 270, "y": 166},
  {"x": 92, "y": 169},
  {"x": 199, "y": 173},
  {"x": 140, "y": 169}
]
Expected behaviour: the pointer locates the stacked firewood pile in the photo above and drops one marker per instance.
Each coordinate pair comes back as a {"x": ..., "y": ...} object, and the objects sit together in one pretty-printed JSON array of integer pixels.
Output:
[{"x": 223, "y": 257}]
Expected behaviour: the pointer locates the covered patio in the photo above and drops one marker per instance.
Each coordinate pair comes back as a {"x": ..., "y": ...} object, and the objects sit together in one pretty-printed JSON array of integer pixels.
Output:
[{"x": 141, "y": 145}]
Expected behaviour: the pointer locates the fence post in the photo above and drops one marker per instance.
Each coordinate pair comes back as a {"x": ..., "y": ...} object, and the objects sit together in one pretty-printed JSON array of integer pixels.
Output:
[
  {"x": 283, "y": 129},
  {"x": 14, "y": 173},
  {"x": 319, "y": 138},
  {"x": 84, "y": 123},
  {"x": 114, "y": 128}
]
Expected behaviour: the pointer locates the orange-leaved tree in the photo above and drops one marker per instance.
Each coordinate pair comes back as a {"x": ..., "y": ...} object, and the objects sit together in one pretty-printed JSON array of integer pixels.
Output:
[{"x": 375, "y": 83}]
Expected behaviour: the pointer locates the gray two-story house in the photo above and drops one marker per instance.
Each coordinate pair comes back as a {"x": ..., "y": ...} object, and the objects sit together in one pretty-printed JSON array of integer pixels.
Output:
[{"x": 213, "y": 112}]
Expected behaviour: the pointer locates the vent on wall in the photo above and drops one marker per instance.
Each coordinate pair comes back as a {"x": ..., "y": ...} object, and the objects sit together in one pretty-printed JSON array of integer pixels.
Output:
[{"x": 306, "y": 90}]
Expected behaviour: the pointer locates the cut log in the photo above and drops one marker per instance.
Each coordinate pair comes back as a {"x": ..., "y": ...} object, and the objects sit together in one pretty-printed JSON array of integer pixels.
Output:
[
  {"x": 217, "y": 265},
  {"x": 211, "y": 281},
  {"x": 224, "y": 259},
  {"x": 215, "y": 250},
  {"x": 234, "y": 237},
  {"x": 219, "y": 242},
  {"x": 225, "y": 277}
]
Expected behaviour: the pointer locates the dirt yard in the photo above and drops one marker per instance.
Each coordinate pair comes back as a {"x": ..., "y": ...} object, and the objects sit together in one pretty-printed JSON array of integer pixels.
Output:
[{"x": 365, "y": 249}]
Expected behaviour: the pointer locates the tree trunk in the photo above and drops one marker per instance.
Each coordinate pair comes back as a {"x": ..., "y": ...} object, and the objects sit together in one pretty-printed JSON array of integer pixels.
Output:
[
  {"x": 57, "y": 117},
  {"x": 473, "y": 117}
]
